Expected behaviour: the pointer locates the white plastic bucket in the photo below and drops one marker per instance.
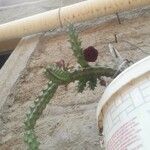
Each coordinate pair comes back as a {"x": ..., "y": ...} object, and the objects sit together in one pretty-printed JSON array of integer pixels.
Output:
[{"x": 124, "y": 109}]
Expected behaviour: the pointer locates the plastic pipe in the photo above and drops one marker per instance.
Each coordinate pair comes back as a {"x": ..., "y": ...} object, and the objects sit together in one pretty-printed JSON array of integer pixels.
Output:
[{"x": 78, "y": 12}]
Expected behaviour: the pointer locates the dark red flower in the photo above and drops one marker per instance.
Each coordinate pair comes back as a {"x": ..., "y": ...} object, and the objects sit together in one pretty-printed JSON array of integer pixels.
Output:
[{"x": 90, "y": 54}]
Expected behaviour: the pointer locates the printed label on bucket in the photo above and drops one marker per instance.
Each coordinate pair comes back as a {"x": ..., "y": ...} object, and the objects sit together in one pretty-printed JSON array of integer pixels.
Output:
[
  {"x": 127, "y": 136},
  {"x": 127, "y": 119}
]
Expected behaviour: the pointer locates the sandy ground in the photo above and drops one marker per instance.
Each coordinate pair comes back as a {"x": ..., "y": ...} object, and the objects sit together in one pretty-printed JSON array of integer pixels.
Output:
[{"x": 69, "y": 121}]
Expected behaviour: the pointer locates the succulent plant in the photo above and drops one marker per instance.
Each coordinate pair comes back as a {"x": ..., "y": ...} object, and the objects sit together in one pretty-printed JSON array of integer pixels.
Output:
[{"x": 58, "y": 74}]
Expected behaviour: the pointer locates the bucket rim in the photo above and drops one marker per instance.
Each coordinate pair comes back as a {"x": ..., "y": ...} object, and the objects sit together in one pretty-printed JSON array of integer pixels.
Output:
[{"x": 133, "y": 72}]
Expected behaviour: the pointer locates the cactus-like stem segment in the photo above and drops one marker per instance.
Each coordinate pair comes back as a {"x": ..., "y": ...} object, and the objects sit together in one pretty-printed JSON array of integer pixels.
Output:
[
  {"x": 57, "y": 75},
  {"x": 63, "y": 77},
  {"x": 90, "y": 75},
  {"x": 76, "y": 46},
  {"x": 97, "y": 71},
  {"x": 34, "y": 114}
]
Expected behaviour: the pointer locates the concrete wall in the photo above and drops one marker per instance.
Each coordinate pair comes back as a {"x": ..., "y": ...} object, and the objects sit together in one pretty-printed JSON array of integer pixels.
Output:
[{"x": 69, "y": 121}]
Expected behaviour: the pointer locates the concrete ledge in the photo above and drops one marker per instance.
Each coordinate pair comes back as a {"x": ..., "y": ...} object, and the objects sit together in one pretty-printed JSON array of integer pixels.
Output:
[{"x": 11, "y": 71}]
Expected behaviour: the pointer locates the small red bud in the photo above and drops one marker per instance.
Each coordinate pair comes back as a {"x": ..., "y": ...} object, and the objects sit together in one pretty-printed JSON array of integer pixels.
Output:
[
  {"x": 90, "y": 54},
  {"x": 60, "y": 64},
  {"x": 103, "y": 82}
]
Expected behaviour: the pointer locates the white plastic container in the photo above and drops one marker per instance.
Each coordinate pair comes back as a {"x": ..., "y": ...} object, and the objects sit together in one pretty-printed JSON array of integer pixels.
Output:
[{"x": 124, "y": 109}]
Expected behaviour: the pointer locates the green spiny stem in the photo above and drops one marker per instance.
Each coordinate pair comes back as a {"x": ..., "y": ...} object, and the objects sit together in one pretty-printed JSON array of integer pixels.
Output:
[
  {"x": 98, "y": 71},
  {"x": 31, "y": 139},
  {"x": 65, "y": 77},
  {"x": 56, "y": 74},
  {"x": 34, "y": 114},
  {"x": 76, "y": 46},
  {"x": 85, "y": 76}
]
